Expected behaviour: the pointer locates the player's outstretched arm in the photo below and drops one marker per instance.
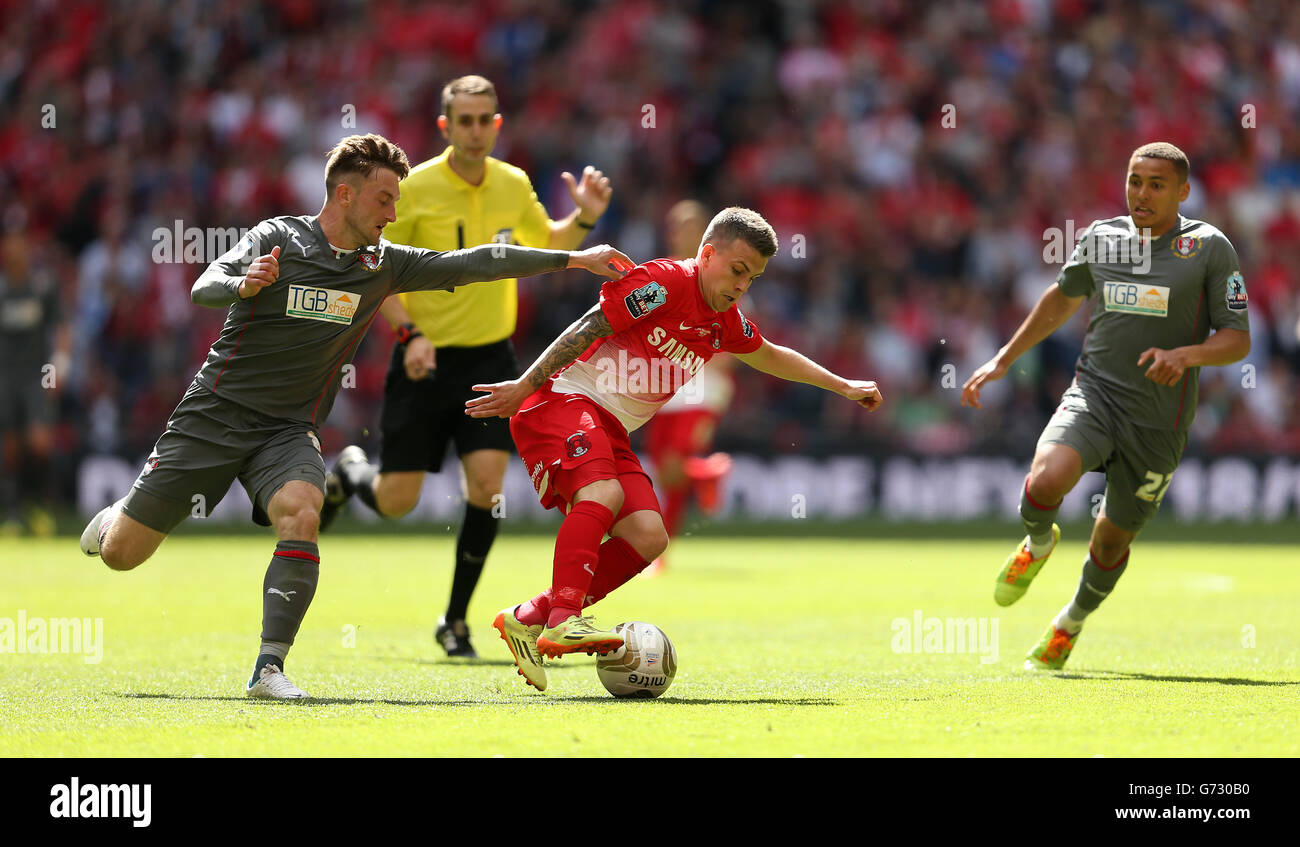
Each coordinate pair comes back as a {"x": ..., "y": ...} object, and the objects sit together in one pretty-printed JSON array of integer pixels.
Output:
[
  {"x": 216, "y": 288},
  {"x": 489, "y": 262},
  {"x": 1223, "y": 348},
  {"x": 503, "y": 399},
  {"x": 792, "y": 365},
  {"x": 1049, "y": 314}
]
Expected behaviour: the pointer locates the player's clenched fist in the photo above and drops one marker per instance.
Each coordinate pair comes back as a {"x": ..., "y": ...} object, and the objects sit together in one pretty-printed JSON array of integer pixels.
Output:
[
  {"x": 420, "y": 359},
  {"x": 864, "y": 393},
  {"x": 991, "y": 370},
  {"x": 264, "y": 271}
]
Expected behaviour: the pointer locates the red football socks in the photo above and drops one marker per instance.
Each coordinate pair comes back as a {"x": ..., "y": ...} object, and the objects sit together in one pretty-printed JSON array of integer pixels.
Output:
[
  {"x": 577, "y": 553},
  {"x": 535, "y": 611},
  {"x": 619, "y": 562}
]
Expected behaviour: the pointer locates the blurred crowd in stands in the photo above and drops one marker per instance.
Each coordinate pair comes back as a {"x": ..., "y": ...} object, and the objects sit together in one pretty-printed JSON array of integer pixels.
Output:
[{"x": 914, "y": 158}]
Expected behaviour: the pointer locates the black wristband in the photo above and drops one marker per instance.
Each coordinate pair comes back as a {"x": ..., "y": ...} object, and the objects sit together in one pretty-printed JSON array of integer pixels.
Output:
[
  {"x": 406, "y": 332},
  {"x": 583, "y": 225}
]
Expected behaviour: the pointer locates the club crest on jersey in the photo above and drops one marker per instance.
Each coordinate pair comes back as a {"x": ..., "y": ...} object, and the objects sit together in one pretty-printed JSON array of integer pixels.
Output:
[
  {"x": 646, "y": 299},
  {"x": 1236, "y": 292},
  {"x": 577, "y": 445},
  {"x": 715, "y": 335},
  {"x": 321, "y": 304},
  {"x": 1186, "y": 246},
  {"x": 369, "y": 259}
]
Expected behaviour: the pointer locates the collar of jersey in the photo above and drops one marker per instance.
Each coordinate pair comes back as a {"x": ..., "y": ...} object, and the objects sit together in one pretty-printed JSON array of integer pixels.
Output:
[
  {"x": 330, "y": 250},
  {"x": 1175, "y": 231},
  {"x": 1164, "y": 240},
  {"x": 455, "y": 179}
]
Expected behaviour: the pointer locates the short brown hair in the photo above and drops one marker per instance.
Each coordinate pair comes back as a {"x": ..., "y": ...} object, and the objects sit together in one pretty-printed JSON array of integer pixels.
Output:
[
  {"x": 362, "y": 154},
  {"x": 735, "y": 222},
  {"x": 472, "y": 84},
  {"x": 1168, "y": 152}
]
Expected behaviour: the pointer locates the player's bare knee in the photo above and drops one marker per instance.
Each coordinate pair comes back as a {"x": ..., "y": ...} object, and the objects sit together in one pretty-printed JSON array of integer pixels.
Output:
[
  {"x": 606, "y": 492},
  {"x": 1053, "y": 473},
  {"x": 1108, "y": 548},
  {"x": 652, "y": 544},
  {"x": 644, "y": 531},
  {"x": 613, "y": 500},
  {"x": 1049, "y": 484},
  {"x": 483, "y": 496},
  {"x": 397, "y": 494},
  {"x": 396, "y": 504},
  {"x": 117, "y": 558},
  {"x": 300, "y": 524},
  {"x": 1107, "y": 554}
]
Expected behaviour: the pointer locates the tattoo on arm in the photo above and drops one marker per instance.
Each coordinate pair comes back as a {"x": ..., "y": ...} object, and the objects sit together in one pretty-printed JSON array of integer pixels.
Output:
[{"x": 569, "y": 346}]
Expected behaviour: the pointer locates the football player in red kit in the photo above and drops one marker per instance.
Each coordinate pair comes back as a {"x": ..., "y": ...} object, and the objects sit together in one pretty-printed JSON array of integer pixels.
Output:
[
  {"x": 680, "y": 434},
  {"x": 651, "y": 332}
]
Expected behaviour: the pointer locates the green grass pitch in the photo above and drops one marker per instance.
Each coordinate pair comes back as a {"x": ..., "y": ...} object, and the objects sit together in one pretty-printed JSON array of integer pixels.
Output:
[{"x": 788, "y": 647}]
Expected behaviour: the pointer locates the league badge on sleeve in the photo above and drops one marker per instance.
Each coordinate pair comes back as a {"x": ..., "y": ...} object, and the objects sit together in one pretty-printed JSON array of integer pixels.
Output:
[
  {"x": 1236, "y": 291},
  {"x": 646, "y": 299},
  {"x": 745, "y": 326}
]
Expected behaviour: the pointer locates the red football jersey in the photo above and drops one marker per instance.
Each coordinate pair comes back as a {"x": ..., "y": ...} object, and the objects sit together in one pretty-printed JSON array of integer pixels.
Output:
[{"x": 664, "y": 333}]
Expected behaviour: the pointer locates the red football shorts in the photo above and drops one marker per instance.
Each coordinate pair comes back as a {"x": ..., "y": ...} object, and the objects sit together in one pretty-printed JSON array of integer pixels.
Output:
[
  {"x": 567, "y": 441},
  {"x": 688, "y": 433}
]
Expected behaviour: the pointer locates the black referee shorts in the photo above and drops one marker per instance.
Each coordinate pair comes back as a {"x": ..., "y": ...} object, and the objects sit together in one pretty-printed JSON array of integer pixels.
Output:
[{"x": 419, "y": 418}]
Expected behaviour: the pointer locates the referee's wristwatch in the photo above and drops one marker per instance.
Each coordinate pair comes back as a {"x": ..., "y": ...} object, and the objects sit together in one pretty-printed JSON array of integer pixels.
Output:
[{"x": 406, "y": 332}]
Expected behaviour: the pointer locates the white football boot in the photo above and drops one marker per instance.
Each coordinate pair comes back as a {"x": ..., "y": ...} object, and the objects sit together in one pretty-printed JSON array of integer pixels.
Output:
[
  {"x": 93, "y": 534},
  {"x": 272, "y": 684}
]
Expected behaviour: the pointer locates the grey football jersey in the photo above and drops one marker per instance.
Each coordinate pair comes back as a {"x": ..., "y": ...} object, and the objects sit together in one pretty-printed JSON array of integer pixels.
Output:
[
  {"x": 282, "y": 351},
  {"x": 1188, "y": 282}
]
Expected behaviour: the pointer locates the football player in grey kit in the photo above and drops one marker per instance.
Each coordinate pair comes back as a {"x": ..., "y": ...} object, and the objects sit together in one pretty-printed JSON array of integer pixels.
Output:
[
  {"x": 1160, "y": 282},
  {"x": 301, "y": 293}
]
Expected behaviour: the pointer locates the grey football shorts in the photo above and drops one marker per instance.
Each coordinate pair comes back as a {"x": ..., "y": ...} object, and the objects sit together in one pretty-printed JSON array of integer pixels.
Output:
[
  {"x": 209, "y": 443},
  {"x": 1139, "y": 462}
]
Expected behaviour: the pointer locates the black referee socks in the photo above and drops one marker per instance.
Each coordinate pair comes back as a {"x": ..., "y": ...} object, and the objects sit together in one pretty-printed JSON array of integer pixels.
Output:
[{"x": 477, "y": 532}]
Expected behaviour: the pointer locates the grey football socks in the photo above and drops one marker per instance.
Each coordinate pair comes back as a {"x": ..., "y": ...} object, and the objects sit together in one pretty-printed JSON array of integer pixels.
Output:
[
  {"x": 1038, "y": 519},
  {"x": 1095, "y": 585},
  {"x": 287, "y": 592}
]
